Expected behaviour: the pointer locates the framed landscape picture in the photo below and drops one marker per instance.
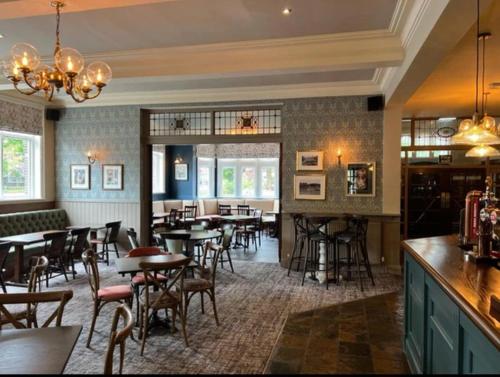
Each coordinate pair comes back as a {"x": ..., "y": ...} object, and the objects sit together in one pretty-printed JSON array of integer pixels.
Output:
[
  {"x": 310, "y": 187},
  {"x": 112, "y": 177},
  {"x": 80, "y": 177},
  {"x": 181, "y": 172},
  {"x": 312, "y": 160},
  {"x": 361, "y": 179}
]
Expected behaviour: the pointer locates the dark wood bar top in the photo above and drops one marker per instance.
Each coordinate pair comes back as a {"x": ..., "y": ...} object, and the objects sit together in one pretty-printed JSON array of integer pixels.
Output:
[{"x": 470, "y": 285}]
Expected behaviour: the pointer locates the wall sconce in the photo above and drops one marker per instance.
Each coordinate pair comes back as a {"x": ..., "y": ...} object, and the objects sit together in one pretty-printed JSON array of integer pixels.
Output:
[
  {"x": 91, "y": 157},
  {"x": 339, "y": 156},
  {"x": 178, "y": 159}
]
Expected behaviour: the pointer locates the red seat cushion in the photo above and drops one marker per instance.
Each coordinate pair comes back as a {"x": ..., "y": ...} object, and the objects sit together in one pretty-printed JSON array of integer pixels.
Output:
[
  {"x": 115, "y": 292},
  {"x": 140, "y": 280},
  {"x": 144, "y": 251}
]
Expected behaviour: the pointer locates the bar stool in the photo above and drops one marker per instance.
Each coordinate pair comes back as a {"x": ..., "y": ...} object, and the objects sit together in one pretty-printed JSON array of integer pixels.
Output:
[
  {"x": 300, "y": 239},
  {"x": 354, "y": 240},
  {"x": 317, "y": 234}
]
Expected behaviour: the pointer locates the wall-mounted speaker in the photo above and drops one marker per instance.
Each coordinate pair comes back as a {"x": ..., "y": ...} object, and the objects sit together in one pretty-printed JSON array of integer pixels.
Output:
[
  {"x": 375, "y": 103},
  {"x": 52, "y": 114}
]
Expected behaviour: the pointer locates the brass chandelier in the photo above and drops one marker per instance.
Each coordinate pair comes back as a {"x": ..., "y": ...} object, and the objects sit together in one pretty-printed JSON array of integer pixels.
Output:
[{"x": 68, "y": 71}]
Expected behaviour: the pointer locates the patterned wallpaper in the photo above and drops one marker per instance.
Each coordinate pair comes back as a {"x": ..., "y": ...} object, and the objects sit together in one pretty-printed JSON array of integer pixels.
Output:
[
  {"x": 20, "y": 118},
  {"x": 111, "y": 132},
  {"x": 328, "y": 124},
  {"x": 307, "y": 124}
]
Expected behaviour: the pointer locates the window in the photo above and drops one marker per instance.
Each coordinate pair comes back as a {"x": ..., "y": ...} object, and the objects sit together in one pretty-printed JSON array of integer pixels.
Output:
[
  {"x": 228, "y": 181},
  {"x": 248, "y": 177},
  {"x": 21, "y": 166},
  {"x": 205, "y": 177},
  {"x": 158, "y": 172}
]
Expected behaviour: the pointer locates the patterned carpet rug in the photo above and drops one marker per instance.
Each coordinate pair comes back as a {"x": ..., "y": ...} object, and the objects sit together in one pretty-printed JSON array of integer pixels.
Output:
[{"x": 253, "y": 305}]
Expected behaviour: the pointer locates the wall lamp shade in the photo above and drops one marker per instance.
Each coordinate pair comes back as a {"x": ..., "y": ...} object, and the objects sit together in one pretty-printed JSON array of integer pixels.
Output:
[
  {"x": 483, "y": 151},
  {"x": 91, "y": 157}
]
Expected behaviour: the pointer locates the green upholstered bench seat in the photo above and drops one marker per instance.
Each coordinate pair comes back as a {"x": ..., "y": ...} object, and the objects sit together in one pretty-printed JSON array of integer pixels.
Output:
[{"x": 12, "y": 224}]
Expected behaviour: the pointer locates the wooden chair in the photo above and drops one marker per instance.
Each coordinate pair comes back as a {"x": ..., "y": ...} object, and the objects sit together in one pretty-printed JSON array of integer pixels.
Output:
[
  {"x": 227, "y": 238},
  {"x": 132, "y": 238},
  {"x": 110, "y": 238},
  {"x": 55, "y": 246},
  {"x": 257, "y": 227},
  {"x": 33, "y": 299},
  {"x": 205, "y": 280},
  {"x": 38, "y": 266},
  {"x": 175, "y": 243},
  {"x": 165, "y": 297},
  {"x": 243, "y": 210},
  {"x": 4, "y": 253},
  {"x": 77, "y": 246},
  {"x": 118, "y": 337},
  {"x": 190, "y": 214},
  {"x": 103, "y": 296},
  {"x": 201, "y": 226},
  {"x": 225, "y": 210},
  {"x": 138, "y": 280}
]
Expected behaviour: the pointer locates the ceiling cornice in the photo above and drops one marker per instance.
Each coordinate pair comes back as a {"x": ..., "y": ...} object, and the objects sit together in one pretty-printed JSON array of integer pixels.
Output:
[{"x": 366, "y": 87}]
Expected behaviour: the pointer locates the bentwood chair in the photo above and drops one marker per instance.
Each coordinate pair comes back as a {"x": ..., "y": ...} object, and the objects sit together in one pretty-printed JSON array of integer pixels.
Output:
[
  {"x": 227, "y": 238},
  {"x": 38, "y": 266},
  {"x": 204, "y": 280},
  {"x": 163, "y": 297},
  {"x": 118, "y": 337},
  {"x": 299, "y": 241},
  {"x": 110, "y": 238},
  {"x": 132, "y": 238},
  {"x": 77, "y": 246},
  {"x": 138, "y": 279},
  {"x": 225, "y": 209},
  {"x": 190, "y": 214},
  {"x": 103, "y": 296},
  {"x": 32, "y": 300},
  {"x": 4, "y": 253},
  {"x": 54, "y": 250}
]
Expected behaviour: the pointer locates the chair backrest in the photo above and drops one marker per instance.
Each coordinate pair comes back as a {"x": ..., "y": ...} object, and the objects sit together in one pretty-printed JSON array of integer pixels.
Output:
[
  {"x": 224, "y": 209},
  {"x": 227, "y": 235},
  {"x": 112, "y": 231},
  {"x": 149, "y": 270},
  {"x": 258, "y": 217},
  {"x": 4, "y": 253},
  {"x": 191, "y": 212},
  {"x": 34, "y": 298},
  {"x": 299, "y": 223},
  {"x": 175, "y": 242},
  {"x": 209, "y": 272},
  {"x": 173, "y": 215},
  {"x": 201, "y": 226},
  {"x": 144, "y": 251},
  {"x": 38, "y": 266},
  {"x": 55, "y": 243},
  {"x": 132, "y": 238},
  {"x": 118, "y": 337},
  {"x": 361, "y": 227},
  {"x": 90, "y": 262},
  {"x": 243, "y": 209},
  {"x": 78, "y": 240}
]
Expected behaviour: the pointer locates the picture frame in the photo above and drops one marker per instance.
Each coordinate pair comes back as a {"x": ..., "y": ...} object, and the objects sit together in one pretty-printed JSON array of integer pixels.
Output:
[
  {"x": 310, "y": 187},
  {"x": 80, "y": 176},
  {"x": 361, "y": 179},
  {"x": 310, "y": 160},
  {"x": 112, "y": 177},
  {"x": 181, "y": 172},
  {"x": 445, "y": 159}
]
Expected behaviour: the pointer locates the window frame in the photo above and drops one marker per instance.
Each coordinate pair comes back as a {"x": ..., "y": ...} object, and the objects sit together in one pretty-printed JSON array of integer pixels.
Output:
[
  {"x": 206, "y": 162},
  {"x": 164, "y": 183}
]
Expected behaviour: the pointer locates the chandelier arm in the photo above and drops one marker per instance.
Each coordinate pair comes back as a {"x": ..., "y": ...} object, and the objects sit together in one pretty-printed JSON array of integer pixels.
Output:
[
  {"x": 28, "y": 93},
  {"x": 49, "y": 93},
  {"x": 27, "y": 81},
  {"x": 99, "y": 91}
]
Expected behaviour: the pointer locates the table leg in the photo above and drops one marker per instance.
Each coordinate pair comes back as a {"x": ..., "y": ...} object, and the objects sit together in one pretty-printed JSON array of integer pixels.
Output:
[
  {"x": 321, "y": 275},
  {"x": 19, "y": 264}
]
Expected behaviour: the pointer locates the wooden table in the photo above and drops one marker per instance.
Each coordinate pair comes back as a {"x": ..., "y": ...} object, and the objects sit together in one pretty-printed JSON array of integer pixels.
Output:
[
  {"x": 37, "y": 351},
  {"x": 130, "y": 265},
  {"x": 195, "y": 235},
  {"x": 19, "y": 241}
]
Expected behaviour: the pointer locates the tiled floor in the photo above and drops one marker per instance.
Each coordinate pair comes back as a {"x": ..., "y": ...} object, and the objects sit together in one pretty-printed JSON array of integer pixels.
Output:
[
  {"x": 362, "y": 336},
  {"x": 267, "y": 252}
]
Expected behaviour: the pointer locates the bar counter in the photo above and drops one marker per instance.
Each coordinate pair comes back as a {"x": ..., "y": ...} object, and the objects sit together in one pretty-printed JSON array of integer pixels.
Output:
[{"x": 452, "y": 295}]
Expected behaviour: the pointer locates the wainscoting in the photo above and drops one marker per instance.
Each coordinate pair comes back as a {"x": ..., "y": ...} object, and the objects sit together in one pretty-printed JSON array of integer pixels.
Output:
[{"x": 100, "y": 212}]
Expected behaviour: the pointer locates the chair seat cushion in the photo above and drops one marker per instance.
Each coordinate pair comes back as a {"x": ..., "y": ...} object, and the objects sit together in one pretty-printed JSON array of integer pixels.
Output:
[
  {"x": 115, "y": 292},
  {"x": 140, "y": 280},
  {"x": 196, "y": 284}
]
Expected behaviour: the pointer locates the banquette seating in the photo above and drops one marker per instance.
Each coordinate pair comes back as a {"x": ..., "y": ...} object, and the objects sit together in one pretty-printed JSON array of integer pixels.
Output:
[{"x": 30, "y": 222}]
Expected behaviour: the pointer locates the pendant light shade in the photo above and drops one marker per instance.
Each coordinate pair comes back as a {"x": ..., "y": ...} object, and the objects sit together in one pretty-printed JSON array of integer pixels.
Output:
[
  {"x": 476, "y": 135},
  {"x": 483, "y": 151}
]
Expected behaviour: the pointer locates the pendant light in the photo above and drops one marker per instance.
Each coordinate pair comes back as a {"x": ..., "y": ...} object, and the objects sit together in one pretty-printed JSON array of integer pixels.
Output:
[
  {"x": 483, "y": 151},
  {"x": 478, "y": 131}
]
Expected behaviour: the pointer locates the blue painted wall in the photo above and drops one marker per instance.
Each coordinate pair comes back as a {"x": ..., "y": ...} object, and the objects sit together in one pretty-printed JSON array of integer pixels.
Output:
[{"x": 181, "y": 189}]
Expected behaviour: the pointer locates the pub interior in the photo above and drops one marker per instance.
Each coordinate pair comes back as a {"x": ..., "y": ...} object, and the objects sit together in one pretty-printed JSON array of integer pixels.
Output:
[{"x": 249, "y": 187}]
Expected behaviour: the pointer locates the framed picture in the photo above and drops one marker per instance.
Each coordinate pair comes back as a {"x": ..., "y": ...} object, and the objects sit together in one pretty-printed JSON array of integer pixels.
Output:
[
  {"x": 312, "y": 160},
  {"x": 181, "y": 172},
  {"x": 361, "y": 179},
  {"x": 310, "y": 187},
  {"x": 80, "y": 177},
  {"x": 112, "y": 177},
  {"x": 445, "y": 159}
]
